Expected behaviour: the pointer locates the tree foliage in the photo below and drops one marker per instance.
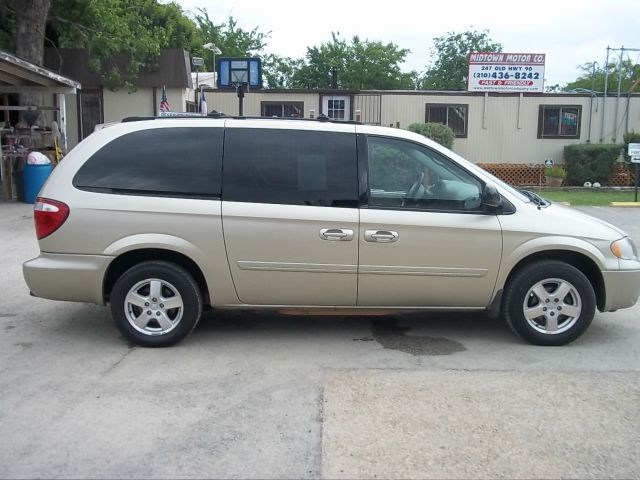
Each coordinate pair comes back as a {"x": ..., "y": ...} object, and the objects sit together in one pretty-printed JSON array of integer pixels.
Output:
[
  {"x": 232, "y": 40},
  {"x": 594, "y": 78},
  {"x": 135, "y": 29},
  {"x": 449, "y": 70},
  {"x": 278, "y": 71},
  {"x": 359, "y": 64}
]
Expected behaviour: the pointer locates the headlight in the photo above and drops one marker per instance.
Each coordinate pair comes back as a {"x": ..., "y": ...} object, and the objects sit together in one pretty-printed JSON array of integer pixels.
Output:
[{"x": 625, "y": 249}]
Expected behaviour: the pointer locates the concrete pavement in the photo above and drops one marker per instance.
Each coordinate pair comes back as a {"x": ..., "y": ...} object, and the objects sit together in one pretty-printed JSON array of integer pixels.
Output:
[{"x": 252, "y": 395}]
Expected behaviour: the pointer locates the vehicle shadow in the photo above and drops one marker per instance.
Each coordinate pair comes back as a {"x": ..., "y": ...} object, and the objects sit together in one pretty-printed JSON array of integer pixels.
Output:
[{"x": 425, "y": 333}]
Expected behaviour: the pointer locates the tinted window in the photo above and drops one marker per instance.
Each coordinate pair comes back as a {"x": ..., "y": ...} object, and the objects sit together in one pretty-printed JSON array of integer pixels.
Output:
[
  {"x": 407, "y": 175},
  {"x": 290, "y": 166},
  {"x": 170, "y": 161}
]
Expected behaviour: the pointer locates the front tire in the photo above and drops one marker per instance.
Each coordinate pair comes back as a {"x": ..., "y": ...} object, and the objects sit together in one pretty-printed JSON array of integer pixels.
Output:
[
  {"x": 156, "y": 304},
  {"x": 549, "y": 303}
]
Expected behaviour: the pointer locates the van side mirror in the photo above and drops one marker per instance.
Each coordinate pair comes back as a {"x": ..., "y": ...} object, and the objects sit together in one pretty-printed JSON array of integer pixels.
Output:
[{"x": 491, "y": 198}]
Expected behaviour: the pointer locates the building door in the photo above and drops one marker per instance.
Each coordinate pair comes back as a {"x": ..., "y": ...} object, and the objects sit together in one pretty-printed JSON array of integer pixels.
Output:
[
  {"x": 337, "y": 107},
  {"x": 91, "y": 111}
]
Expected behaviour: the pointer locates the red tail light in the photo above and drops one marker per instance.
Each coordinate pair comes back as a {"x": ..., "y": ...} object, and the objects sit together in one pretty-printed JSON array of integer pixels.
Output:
[{"x": 49, "y": 215}]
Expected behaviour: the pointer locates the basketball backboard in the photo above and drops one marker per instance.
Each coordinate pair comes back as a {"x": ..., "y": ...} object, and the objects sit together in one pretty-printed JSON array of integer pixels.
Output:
[{"x": 233, "y": 72}]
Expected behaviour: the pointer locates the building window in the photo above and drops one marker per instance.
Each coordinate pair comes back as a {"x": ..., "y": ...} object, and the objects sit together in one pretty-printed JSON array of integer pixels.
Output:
[
  {"x": 192, "y": 107},
  {"x": 282, "y": 109},
  {"x": 336, "y": 109},
  {"x": 454, "y": 116},
  {"x": 559, "y": 121}
]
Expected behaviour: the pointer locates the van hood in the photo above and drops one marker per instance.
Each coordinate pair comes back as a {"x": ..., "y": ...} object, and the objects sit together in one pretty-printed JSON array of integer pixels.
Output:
[{"x": 561, "y": 220}]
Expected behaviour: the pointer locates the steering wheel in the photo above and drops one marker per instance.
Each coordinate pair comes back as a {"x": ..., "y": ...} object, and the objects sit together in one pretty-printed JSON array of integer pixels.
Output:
[{"x": 415, "y": 188}]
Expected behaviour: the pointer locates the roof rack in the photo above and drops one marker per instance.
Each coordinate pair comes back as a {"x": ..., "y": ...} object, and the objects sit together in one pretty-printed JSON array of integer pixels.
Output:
[{"x": 321, "y": 118}]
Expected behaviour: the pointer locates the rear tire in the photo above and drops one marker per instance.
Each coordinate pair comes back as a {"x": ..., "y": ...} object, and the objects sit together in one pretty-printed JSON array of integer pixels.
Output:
[
  {"x": 156, "y": 304},
  {"x": 549, "y": 303}
]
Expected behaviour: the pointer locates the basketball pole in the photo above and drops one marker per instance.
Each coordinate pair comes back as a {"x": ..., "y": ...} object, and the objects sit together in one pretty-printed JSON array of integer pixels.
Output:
[{"x": 240, "y": 93}]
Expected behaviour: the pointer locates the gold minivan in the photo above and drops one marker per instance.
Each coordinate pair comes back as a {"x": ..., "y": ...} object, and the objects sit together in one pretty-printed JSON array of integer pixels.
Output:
[{"x": 158, "y": 218}]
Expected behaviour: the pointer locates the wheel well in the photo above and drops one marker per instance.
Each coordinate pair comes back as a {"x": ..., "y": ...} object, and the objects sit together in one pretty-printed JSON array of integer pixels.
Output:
[
  {"x": 127, "y": 260},
  {"x": 575, "y": 259}
]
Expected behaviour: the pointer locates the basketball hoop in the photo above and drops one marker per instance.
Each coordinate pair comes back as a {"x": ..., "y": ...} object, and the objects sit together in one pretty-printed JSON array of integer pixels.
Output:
[{"x": 240, "y": 74}]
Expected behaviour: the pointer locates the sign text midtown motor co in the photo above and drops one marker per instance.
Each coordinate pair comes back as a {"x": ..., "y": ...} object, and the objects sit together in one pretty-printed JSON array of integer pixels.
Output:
[{"x": 506, "y": 72}]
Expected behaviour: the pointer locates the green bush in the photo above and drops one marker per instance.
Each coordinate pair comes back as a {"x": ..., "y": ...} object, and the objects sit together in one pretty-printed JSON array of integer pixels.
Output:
[
  {"x": 630, "y": 137},
  {"x": 590, "y": 162},
  {"x": 555, "y": 172},
  {"x": 437, "y": 132}
]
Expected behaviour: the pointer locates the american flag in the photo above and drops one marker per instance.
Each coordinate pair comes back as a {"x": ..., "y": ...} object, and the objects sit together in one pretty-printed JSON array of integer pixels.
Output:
[{"x": 164, "y": 103}]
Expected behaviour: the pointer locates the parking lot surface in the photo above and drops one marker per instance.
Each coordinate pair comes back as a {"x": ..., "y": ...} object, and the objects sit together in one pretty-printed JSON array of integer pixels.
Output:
[{"x": 257, "y": 395}]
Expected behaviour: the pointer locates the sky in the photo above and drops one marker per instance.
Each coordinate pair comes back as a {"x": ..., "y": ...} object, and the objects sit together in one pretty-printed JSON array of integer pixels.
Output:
[{"x": 569, "y": 32}]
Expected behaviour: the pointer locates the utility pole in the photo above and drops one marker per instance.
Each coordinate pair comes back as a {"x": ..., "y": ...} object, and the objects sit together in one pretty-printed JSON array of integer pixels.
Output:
[
  {"x": 615, "y": 116},
  {"x": 604, "y": 98},
  {"x": 621, "y": 51}
]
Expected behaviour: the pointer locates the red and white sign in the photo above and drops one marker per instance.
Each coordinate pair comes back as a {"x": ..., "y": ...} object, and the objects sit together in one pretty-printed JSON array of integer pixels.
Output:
[{"x": 506, "y": 72}]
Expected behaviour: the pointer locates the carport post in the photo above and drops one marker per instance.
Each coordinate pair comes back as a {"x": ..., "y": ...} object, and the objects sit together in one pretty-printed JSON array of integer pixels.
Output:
[{"x": 62, "y": 122}]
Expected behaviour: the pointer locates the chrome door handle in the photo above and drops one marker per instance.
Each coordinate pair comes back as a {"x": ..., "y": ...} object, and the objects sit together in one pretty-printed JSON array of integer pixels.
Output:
[
  {"x": 336, "y": 234},
  {"x": 381, "y": 236}
]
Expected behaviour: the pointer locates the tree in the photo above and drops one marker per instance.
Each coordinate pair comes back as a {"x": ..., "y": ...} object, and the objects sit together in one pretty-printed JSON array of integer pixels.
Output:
[
  {"x": 375, "y": 65},
  {"x": 29, "y": 27},
  {"x": 278, "y": 72},
  {"x": 594, "y": 78},
  {"x": 232, "y": 40},
  {"x": 358, "y": 65},
  {"x": 449, "y": 70},
  {"x": 134, "y": 29}
]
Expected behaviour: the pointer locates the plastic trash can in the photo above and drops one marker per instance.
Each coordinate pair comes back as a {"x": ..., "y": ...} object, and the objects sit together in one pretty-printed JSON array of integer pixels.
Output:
[{"x": 34, "y": 178}]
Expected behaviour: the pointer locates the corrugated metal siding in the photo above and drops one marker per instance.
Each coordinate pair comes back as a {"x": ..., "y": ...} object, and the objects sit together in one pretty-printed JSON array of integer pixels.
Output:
[
  {"x": 227, "y": 102},
  {"x": 500, "y": 141}
]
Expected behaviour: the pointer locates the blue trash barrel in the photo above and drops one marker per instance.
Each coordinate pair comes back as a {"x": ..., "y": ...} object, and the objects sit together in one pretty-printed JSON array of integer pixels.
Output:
[{"x": 34, "y": 178}]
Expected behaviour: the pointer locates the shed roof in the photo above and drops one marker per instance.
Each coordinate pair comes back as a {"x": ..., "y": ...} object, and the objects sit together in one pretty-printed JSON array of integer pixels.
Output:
[{"x": 18, "y": 75}]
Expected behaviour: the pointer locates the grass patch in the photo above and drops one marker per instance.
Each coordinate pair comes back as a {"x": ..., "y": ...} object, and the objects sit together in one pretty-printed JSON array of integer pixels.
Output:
[{"x": 587, "y": 197}]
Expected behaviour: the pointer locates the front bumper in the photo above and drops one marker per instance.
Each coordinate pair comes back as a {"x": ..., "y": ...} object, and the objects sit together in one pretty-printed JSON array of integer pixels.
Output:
[
  {"x": 73, "y": 278},
  {"x": 622, "y": 289}
]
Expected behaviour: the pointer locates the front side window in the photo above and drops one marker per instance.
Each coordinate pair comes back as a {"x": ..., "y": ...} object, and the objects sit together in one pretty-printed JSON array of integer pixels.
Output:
[
  {"x": 160, "y": 161},
  {"x": 282, "y": 109},
  {"x": 403, "y": 174},
  {"x": 294, "y": 167},
  {"x": 454, "y": 116},
  {"x": 559, "y": 121}
]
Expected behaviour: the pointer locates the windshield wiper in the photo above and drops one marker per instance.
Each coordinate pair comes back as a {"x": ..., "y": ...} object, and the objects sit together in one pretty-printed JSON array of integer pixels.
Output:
[{"x": 535, "y": 198}]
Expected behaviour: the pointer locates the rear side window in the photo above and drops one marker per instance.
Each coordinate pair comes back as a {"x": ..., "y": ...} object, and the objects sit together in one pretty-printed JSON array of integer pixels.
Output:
[
  {"x": 294, "y": 167},
  {"x": 161, "y": 161}
]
